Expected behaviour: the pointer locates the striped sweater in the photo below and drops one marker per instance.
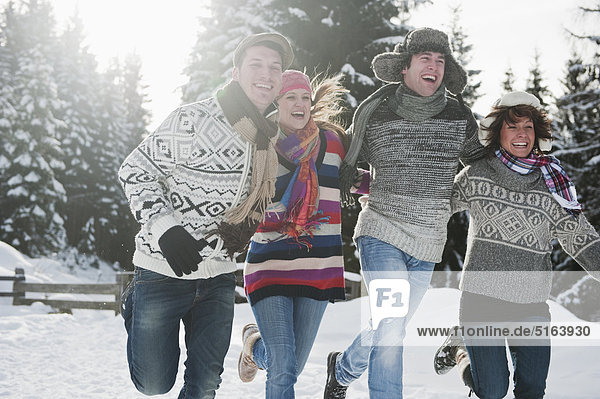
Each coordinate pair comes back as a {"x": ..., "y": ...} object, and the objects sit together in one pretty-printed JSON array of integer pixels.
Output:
[{"x": 278, "y": 265}]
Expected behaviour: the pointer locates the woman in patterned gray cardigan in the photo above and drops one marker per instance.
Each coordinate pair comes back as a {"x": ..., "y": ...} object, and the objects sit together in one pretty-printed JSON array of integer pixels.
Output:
[{"x": 519, "y": 200}]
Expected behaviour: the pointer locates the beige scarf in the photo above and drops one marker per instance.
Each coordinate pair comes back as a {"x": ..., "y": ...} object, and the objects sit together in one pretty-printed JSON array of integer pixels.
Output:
[{"x": 241, "y": 222}]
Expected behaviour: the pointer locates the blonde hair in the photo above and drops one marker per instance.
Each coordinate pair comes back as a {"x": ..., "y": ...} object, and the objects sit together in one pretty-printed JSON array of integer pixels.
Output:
[{"x": 328, "y": 104}]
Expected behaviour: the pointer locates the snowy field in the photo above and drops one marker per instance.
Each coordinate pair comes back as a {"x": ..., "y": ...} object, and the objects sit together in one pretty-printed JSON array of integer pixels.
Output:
[{"x": 56, "y": 356}]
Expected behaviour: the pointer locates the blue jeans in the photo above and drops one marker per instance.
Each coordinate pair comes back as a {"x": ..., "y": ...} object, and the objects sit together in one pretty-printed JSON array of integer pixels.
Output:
[
  {"x": 489, "y": 367},
  {"x": 381, "y": 350},
  {"x": 288, "y": 327},
  {"x": 153, "y": 312}
]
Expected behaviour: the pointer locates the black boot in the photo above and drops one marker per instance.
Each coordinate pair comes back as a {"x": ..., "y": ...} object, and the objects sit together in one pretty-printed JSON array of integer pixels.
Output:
[{"x": 333, "y": 390}]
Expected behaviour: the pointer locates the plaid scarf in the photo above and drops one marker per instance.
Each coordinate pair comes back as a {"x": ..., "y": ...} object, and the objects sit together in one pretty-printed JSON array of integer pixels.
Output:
[
  {"x": 301, "y": 197},
  {"x": 242, "y": 221},
  {"x": 557, "y": 181}
]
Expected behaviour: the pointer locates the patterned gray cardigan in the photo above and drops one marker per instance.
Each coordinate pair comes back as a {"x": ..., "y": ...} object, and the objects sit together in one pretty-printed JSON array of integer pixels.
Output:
[
  {"x": 513, "y": 220},
  {"x": 188, "y": 172}
]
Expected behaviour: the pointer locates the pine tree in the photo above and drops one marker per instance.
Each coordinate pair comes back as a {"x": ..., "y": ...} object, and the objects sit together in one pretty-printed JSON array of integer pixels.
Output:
[
  {"x": 135, "y": 97},
  {"x": 508, "y": 84},
  {"x": 578, "y": 141},
  {"x": 30, "y": 206},
  {"x": 8, "y": 114},
  {"x": 211, "y": 59},
  {"x": 113, "y": 223},
  {"x": 77, "y": 77},
  {"x": 535, "y": 83},
  {"x": 462, "y": 51},
  {"x": 579, "y": 111}
]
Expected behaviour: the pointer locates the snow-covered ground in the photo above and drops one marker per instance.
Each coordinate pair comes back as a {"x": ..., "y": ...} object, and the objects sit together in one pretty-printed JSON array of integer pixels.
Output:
[{"x": 55, "y": 356}]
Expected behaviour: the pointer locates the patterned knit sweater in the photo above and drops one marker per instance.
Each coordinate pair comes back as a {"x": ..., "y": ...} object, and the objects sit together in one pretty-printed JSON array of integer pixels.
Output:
[
  {"x": 188, "y": 172},
  {"x": 413, "y": 165},
  {"x": 513, "y": 219},
  {"x": 277, "y": 265}
]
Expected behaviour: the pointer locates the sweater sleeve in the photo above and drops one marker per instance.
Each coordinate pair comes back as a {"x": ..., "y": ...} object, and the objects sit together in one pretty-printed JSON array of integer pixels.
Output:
[
  {"x": 143, "y": 175},
  {"x": 459, "y": 199},
  {"x": 473, "y": 149},
  {"x": 581, "y": 241}
]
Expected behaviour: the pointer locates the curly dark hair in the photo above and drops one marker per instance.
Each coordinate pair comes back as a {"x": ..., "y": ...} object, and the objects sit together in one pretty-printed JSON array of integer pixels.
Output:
[{"x": 540, "y": 119}]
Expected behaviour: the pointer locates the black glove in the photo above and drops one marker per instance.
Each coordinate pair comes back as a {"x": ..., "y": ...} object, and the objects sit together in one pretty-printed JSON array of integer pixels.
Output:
[{"x": 181, "y": 250}]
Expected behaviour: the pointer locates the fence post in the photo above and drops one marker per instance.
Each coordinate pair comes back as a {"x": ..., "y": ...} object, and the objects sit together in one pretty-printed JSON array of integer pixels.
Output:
[{"x": 19, "y": 278}]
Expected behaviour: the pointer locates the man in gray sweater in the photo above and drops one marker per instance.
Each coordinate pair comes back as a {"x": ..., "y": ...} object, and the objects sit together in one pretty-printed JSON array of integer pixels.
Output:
[{"x": 412, "y": 133}]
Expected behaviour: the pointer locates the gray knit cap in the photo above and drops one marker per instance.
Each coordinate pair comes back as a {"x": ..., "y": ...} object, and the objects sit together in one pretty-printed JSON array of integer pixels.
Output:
[{"x": 388, "y": 66}]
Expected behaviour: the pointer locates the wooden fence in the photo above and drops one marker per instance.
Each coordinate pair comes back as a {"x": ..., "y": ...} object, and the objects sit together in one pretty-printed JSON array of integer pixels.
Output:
[
  {"x": 43, "y": 290},
  {"x": 22, "y": 287}
]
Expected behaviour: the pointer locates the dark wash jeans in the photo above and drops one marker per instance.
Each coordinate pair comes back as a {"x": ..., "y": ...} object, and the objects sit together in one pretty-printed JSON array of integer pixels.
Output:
[
  {"x": 489, "y": 363},
  {"x": 153, "y": 312}
]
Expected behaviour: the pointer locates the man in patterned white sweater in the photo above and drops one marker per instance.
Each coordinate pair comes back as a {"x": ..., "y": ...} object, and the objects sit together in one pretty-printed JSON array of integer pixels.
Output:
[
  {"x": 412, "y": 134},
  {"x": 198, "y": 186}
]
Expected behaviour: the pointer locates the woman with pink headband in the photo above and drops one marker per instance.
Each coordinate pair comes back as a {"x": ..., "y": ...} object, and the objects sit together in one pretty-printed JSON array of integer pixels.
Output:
[{"x": 295, "y": 263}]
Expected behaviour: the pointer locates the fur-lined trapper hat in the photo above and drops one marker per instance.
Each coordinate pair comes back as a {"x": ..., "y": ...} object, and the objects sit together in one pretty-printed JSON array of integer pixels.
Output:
[
  {"x": 512, "y": 99},
  {"x": 388, "y": 66}
]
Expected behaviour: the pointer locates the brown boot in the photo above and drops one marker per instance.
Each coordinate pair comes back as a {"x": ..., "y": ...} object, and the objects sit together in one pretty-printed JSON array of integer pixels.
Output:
[{"x": 247, "y": 369}]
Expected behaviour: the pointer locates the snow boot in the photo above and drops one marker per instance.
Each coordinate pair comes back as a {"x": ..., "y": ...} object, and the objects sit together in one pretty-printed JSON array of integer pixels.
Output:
[
  {"x": 445, "y": 357},
  {"x": 464, "y": 368},
  {"x": 247, "y": 369},
  {"x": 333, "y": 390}
]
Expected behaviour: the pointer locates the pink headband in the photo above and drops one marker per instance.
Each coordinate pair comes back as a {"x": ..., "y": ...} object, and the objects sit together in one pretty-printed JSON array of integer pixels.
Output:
[{"x": 292, "y": 79}]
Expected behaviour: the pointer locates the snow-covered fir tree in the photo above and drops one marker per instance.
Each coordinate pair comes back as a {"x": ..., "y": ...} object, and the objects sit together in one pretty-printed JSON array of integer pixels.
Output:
[
  {"x": 210, "y": 62},
  {"x": 578, "y": 148},
  {"x": 343, "y": 36},
  {"x": 8, "y": 114},
  {"x": 64, "y": 128},
  {"x": 79, "y": 90},
  {"x": 462, "y": 50},
  {"x": 136, "y": 98},
  {"x": 31, "y": 221},
  {"x": 535, "y": 82},
  {"x": 579, "y": 115},
  {"x": 508, "y": 84}
]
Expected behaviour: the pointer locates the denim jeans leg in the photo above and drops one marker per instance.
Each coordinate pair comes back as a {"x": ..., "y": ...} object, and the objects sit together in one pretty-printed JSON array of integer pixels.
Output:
[
  {"x": 207, "y": 336},
  {"x": 158, "y": 303},
  {"x": 288, "y": 327},
  {"x": 531, "y": 361},
  {"x": 382, "y": 260},
  {"x": 489, "y": 368},
  {"x": 308, "y": 314},
  {"x": 275, "y": 351}
]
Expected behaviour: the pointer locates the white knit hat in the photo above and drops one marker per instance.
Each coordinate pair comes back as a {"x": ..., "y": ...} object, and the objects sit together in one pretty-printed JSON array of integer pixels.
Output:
[{"x": 510, "y": 100}]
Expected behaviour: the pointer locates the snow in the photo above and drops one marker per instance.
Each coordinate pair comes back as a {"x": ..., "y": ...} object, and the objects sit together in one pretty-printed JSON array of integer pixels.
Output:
[
  {"x": 83, "y": 355},
  {"x": 298, "y": 13}
]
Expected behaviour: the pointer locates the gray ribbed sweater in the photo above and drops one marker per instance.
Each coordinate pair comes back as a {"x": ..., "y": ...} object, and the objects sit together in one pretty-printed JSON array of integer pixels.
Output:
[
  {"x": 413, "y": 165},
  {"x": 513, "y": 219}
]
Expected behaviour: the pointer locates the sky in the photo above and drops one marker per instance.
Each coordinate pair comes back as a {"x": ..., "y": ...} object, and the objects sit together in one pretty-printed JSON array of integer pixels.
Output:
[
  {"x": 83, "y": 355},
  {"x": 503, "y": 33}
]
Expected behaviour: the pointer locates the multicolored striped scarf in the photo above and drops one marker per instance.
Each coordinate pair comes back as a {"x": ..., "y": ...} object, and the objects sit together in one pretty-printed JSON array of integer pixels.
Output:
[
  {"x": 301, "y": 197},
  {"x": 557, "y": 181}
]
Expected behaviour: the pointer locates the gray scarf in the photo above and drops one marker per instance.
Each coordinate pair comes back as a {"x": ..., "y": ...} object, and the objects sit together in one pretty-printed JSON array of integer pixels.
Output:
[
  {"x": 404, "y": 103},
  {"x": 409, "y": 105}
]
